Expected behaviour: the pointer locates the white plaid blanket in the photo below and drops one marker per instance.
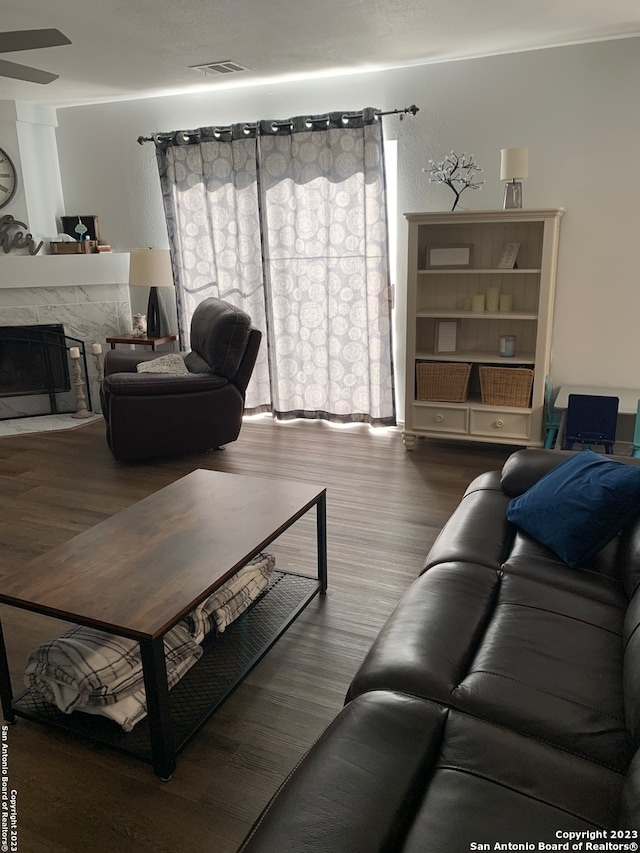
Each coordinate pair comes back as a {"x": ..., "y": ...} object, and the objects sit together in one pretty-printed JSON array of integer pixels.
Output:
[
  {"x": 100, "y": 673},
  {"x": 89, "y": 669},
  {"x": 227, "y": 603}
]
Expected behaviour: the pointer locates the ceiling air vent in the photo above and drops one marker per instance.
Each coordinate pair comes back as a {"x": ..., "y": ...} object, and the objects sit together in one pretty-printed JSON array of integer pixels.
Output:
[{"x": 224, "y": 66}]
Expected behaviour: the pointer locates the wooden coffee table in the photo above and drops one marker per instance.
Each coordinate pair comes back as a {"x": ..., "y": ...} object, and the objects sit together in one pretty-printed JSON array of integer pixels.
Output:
[{"x": 138, "y": 573}]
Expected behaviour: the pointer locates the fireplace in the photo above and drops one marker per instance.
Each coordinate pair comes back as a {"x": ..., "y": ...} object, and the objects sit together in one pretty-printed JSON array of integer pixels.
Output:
[
  {"x": 34, "y": 363},
  {"x": 33, "y": 360}
]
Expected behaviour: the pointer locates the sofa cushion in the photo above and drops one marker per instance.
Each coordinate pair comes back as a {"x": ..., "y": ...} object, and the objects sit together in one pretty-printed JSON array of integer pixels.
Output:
[
  {"x": 579, "y": 506},
  {"x": 542, "y": 660},
  {"x": 597, "y": 580},
  {"x": 395, "y": 772}
]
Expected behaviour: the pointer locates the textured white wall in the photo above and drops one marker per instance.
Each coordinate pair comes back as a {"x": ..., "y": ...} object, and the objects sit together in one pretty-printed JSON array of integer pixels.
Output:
[{"x": 575, "y": 108}]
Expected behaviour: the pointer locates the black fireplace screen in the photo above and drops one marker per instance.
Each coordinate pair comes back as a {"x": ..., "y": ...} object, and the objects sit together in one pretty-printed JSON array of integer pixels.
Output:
[{"x": 33, "y": 360}]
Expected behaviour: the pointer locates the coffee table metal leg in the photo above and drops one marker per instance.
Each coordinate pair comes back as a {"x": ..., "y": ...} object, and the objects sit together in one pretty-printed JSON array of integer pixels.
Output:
[
  {"x": 154, "y": 669},
  {"x": 6, "y": 691},
  {"x": 322, "y": 541}
]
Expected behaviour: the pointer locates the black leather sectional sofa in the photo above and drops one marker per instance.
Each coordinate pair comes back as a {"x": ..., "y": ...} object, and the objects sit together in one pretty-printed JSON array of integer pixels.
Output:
[{"x": 500, "y": 704}]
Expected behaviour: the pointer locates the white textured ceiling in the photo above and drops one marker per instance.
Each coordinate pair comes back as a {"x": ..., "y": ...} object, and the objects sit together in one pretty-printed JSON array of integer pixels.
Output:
[{"x": 133, "y": 48}]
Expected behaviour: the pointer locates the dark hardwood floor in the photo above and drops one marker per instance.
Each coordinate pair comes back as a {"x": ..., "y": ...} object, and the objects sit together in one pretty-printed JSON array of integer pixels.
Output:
[{"x": 384, "y": 509}]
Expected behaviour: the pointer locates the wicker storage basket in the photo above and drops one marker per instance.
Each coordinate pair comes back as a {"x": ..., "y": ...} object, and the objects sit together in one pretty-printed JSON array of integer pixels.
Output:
[
  {"x": 506, "y": 386},
  {"x": 446, "y": 382}
]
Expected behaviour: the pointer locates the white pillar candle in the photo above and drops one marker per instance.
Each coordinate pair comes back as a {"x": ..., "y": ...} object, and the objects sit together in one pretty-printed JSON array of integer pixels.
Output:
[
  {"x": 74, "y": 352},
  {"x": 477, "y": 303},
  {"x": 493, "y": 298},
  {"x": 506, "y": 302},
  {"x": 96, "y": 349}
]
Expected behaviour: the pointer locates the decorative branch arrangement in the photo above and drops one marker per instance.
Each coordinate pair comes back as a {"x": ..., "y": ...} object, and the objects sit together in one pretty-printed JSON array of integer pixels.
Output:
[{"x": 457, "y": 173}]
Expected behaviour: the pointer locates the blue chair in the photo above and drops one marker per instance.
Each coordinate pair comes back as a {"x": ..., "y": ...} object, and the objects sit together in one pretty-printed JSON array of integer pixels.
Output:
[
  {"x": 552, "y": 417},
  {"x": 591, "y": 419},
  {"x": 636, "y": 434}
]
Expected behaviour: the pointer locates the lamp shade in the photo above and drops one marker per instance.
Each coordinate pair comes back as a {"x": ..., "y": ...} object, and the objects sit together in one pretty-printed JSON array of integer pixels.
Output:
[
  {"x": 150, "y": 268},
  {"x": 514, "y": 164}
]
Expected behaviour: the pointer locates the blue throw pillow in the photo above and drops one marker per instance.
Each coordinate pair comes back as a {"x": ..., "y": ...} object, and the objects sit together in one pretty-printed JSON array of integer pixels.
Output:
[{"x": 579, "y": 506}]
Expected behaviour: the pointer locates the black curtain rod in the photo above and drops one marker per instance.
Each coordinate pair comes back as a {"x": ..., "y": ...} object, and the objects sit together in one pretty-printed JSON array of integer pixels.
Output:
[{"x": 160, "y": 137}]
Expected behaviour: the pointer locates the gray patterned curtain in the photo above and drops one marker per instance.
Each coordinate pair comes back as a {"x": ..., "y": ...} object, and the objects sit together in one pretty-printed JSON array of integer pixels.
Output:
[{"x": 287, "y": 220}]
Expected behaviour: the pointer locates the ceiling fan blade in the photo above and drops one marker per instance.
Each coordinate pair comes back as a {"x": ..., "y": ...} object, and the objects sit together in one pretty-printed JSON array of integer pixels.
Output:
[
  {"x": 24, "y": 72},
  {"x": 31, "y": 40}
]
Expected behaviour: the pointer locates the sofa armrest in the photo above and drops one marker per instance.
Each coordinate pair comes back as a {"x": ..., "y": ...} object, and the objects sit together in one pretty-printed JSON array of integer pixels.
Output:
[
  {"x": 125, "y": 360},
  {"x": 525, "y": 467},
  {"x": 478, "y": 530},
  {"x": 160, "y": 384}
]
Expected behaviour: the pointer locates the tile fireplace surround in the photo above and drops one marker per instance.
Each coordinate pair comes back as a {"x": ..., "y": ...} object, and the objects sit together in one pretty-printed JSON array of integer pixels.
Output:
[{"x": 88, "y": 294}]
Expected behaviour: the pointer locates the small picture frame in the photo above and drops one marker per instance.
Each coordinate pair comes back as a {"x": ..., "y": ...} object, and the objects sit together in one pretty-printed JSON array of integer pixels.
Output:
[
  {"x": 90, "y": 224},
  {"x": 449, "y": 256},
  {"x": 508, "y": 257},
  {"x": 445, "y": 340}
]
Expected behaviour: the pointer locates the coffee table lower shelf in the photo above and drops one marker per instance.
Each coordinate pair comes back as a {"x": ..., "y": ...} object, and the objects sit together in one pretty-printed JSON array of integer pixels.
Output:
[{"x": 226, "y": 662}]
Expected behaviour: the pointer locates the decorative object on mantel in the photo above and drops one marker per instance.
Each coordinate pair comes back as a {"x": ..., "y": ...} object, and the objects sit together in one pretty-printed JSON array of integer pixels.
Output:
[
  {"x": 455, "y": 172},
  {"x": 73, "y": 247},
  {"x": 78, "y": 381},
  {"x": 9, "y": 180},
  {"x": 80, "y": 228},
  {"x": 80, "y": 236},
  {"x": 514, "y": 165},
  {"x": 19, "y": 239},
  {"x": 152, "y": 268}
]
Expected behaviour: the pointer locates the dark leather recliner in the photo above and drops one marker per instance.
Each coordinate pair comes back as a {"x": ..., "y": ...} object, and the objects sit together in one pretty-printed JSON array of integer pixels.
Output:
[{"x": 153, "y": 415}]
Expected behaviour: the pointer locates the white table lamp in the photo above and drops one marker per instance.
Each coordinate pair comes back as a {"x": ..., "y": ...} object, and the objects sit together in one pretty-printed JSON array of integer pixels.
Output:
[
  {"x": 514, "y": 166},
  {"x": 152, "y": 268}
]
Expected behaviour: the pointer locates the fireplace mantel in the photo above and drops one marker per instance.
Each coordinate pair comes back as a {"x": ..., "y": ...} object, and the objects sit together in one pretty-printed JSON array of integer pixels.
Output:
[
  {"x": 87, "y": 294},
  {"x": 63, "y": 270}
]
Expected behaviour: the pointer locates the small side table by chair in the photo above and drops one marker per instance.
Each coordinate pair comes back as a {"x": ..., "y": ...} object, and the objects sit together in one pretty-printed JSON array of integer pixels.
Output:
[{"x": 141, "y": 340}]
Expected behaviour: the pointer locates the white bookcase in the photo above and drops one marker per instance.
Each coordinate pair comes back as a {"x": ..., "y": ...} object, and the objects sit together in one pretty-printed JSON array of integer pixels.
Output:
[{"x": 441, "y": 286}]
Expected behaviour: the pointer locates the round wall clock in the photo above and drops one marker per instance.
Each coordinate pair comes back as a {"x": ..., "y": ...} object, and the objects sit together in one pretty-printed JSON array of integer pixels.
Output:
[{"x": 8, "y": 178}]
